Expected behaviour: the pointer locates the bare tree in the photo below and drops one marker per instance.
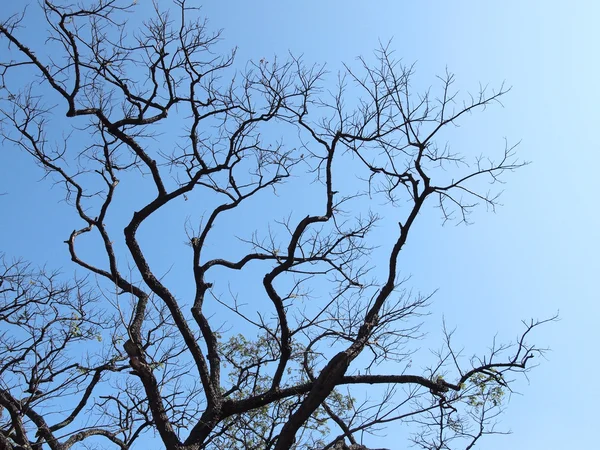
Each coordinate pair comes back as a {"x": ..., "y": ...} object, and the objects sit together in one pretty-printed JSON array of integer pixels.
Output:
[{"x": 275, "y": 335}]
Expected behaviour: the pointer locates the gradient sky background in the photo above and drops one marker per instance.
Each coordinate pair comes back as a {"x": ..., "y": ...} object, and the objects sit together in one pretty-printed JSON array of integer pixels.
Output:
[{"x": 537, "y": 255}]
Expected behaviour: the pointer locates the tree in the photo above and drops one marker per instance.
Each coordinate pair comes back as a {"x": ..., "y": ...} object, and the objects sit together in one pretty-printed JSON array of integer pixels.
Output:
[{"x": 270, "y": 340}]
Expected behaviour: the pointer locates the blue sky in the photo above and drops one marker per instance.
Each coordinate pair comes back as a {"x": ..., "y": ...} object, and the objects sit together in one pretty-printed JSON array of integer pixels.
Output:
[{"x": 536, "y": 255}]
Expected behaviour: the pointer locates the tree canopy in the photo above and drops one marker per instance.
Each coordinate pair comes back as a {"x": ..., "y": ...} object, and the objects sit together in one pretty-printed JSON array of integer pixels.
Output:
[{"x": 288, "y": 301}]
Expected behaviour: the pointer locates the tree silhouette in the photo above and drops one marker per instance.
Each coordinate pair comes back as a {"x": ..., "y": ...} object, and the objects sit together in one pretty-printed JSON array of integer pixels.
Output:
[{"x": 285, "y": 313}]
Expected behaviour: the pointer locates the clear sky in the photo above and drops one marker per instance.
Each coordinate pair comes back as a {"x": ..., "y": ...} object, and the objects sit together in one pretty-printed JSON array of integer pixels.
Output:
[{"x": 535, "y": 256}]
